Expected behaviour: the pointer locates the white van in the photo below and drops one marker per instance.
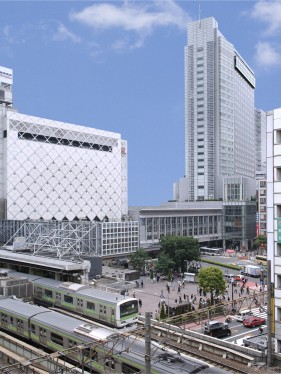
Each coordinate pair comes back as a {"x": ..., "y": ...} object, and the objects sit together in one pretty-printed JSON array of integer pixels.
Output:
[{"x": 242, "y": 314}]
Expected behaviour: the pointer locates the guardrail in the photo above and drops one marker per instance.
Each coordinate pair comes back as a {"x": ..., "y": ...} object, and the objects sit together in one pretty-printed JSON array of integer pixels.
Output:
[{"x": 245, "y": 355}]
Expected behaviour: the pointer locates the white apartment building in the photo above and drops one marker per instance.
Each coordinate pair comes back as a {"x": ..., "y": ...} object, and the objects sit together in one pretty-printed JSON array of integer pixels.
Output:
[
  {"x": 273, "y": 200},
  {"x": 219, "y": 112}
]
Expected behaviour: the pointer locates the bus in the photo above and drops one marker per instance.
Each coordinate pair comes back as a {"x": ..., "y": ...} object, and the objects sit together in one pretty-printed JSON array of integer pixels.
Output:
[
  {"x": 261, "y": 260},
  {"x": 211, "y": 251}
]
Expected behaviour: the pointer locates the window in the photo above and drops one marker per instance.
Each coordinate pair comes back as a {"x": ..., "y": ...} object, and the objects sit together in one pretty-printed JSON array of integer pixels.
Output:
[
  {"x": 48, "y": 293},
  {"x": 32, "y": 328},
  {"x": 68, "y": 299},
  {"x": 90, "y": 305},
  {"x": 57, "y": 339}
]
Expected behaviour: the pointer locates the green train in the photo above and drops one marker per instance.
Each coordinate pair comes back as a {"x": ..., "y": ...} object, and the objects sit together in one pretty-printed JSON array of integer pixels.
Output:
[
  {"x": 108, "y": 308},
  {"x": 91, "y": 347}
]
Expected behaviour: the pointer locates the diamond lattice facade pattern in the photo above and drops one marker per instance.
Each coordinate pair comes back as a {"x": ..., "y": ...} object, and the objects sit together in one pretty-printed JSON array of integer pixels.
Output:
[{"x": 55, "y": 170}]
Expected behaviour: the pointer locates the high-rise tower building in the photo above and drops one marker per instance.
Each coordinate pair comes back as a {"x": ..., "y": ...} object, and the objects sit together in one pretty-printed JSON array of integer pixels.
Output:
[{"x": 220, "y": 113}]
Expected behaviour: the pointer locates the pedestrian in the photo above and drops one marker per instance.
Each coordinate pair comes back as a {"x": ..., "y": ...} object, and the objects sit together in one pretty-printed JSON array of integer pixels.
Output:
[
  {"x": 140, "y": 303},
  {"x": 261, "y": 330},
  {"x": 142, "y": 283},
  {"x": 134, "y": 294},
  {"x": 176, "y": 300},
  {"x": 184, "y": 296},
  {"x": 180, "y": 300}
]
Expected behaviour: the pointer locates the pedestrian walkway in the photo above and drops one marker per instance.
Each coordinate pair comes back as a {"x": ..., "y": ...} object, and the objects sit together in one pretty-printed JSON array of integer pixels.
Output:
[{"x": 151, "y": 294}]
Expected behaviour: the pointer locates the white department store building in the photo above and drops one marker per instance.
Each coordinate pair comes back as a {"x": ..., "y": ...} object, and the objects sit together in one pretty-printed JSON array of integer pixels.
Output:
[
  {"x": 53, "y": 171},
  {"x": 56, "y": 170}
]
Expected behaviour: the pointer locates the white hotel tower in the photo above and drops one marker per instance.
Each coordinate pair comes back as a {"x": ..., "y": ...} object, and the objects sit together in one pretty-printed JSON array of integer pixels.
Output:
[
  {"x": 220, "y": 122},
  {"x": 52, "y": 170}
]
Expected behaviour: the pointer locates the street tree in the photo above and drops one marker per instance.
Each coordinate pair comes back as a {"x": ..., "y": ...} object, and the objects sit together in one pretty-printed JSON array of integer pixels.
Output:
[
  {"x": 260, "y": 241},
  {"x": 180, "y": 248},
  {"x": 211, "y": 279},
  {"x": 138, "y": 258},
  {"x": 165, "y": 263}
]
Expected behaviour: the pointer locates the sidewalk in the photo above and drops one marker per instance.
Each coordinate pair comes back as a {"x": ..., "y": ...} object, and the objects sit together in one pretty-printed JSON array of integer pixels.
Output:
[{"x": 151, "y": 294}]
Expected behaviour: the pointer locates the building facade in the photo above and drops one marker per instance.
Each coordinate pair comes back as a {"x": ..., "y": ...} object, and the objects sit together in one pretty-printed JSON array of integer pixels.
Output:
[
  {"x": 219, "y": 102},
  {"x": 273, "y": 200},
  {"x": 260, "y": 124},
  {"x": 55, "y": 170},
  {"x": 64, "y": 182}
]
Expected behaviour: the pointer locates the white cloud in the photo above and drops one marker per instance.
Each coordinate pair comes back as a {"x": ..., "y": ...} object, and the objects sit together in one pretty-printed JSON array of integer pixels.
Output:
[
  {"x": 140, "y": 18},
  {"x": 63, "y": 34},
  {"x": 268, "y": 12},
  {"x": 266, "y": 55}
]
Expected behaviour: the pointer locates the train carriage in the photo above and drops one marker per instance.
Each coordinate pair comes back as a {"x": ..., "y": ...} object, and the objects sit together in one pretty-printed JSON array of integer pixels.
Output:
[
  {"x": 96, "y": 348},
  {"x": 106, "y": 307}
]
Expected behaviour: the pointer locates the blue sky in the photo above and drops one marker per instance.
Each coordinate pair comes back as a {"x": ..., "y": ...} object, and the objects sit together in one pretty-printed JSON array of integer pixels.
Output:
[{"x": 119, "y": 66}]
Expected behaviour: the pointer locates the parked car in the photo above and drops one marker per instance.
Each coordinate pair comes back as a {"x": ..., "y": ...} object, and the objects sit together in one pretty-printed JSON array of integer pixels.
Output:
[{"x": 254, "y": 321}]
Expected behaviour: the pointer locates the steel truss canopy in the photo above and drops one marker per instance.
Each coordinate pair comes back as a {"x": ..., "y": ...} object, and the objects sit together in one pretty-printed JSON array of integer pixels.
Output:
[{"x": 59, "y": 239}]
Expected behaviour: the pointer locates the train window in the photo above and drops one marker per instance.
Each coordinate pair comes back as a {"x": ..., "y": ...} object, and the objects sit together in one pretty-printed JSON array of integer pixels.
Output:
[
  {"x": 55, "y": 338},
  {"x": 104, "y": 309},
  {"x": 58, "y": 296},
  {"x": 128, "y": 307},
  {"x": 48, "y": 293},
  {"x": 80, "y": 302},
  {"x": 72, "y": 344},
  {"x": 110, "y": 363},
  {"x": 128, "y": 369},
  {"x": 68, "y": 299},
  {"x": 39, "y": 291},
  {"x": 90, "y": 305},
  {"x": 91, "y": 354},
  {"x": 11, "y": 320},
  {"x": 32, "y": 327}
]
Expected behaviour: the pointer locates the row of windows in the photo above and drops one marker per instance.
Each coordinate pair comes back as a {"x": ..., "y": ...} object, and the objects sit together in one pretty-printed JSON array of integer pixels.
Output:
[
  {"x": 62, "y": 141},
  {"x": 70, "y": 300}
]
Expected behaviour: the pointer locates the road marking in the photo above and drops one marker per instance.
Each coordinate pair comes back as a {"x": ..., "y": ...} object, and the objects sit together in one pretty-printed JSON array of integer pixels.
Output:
[{"x": 244, "y": 333}]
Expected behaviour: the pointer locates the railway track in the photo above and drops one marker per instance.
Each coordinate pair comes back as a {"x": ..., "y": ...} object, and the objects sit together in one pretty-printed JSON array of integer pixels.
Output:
[
  {"x": 208, "y": 357},
  {"x": 217, "y": 361}
]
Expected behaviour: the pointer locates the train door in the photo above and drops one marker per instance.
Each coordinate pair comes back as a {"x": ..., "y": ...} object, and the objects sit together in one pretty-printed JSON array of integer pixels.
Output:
[
  {"x": 102, "y": 314},
  {"x": 58, "y": 298},
  {"x": 4, "y": 320},
  {"x": 112, "y": 316},
  {"x": 79, "y": 305},
  {"x": 43, "y": 336},
  {"x": 20, "y": 326}
]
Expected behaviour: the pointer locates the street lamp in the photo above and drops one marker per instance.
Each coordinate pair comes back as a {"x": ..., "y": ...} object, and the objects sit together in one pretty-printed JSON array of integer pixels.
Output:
[{"x": 232, "y": 285}]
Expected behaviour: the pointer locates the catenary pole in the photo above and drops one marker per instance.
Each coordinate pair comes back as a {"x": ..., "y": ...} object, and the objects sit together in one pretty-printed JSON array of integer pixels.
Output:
[{"x": 147, "y": 327}]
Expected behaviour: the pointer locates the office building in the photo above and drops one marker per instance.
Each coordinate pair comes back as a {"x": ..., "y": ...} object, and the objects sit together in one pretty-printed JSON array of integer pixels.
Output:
[
  {"x": 273, "y": 201},
  {"x": 260, "y": 132},
  {"x": 220, "y": 113}
]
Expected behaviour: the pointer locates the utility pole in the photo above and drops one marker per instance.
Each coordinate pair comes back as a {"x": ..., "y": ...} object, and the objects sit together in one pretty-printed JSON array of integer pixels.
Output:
[
  {"x": 147, "y": 337},
  {"x": 269, "y": 315}
]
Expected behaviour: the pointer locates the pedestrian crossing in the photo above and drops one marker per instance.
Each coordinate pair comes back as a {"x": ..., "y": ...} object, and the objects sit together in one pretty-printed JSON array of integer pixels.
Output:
[{"x": 260, "y": 312}]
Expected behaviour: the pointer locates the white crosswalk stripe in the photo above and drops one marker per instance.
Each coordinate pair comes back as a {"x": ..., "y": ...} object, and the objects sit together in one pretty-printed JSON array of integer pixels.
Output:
[{"x": 262, "y": 313}]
